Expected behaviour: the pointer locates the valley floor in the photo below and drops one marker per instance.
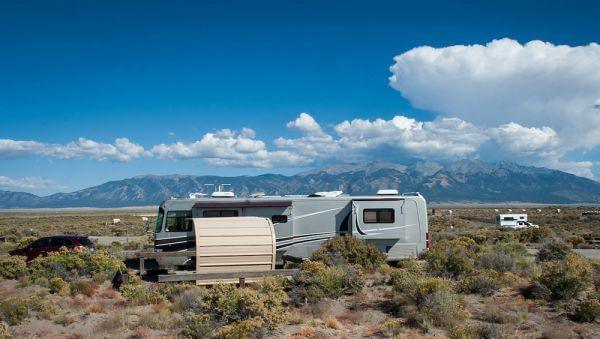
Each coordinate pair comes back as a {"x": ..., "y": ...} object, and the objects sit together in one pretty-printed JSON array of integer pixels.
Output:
[{"x": 382, "y": 307}]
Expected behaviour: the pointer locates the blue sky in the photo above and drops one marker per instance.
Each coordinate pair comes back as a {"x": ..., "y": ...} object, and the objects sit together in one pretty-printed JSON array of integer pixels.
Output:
[{"x": 166, "y": 72}]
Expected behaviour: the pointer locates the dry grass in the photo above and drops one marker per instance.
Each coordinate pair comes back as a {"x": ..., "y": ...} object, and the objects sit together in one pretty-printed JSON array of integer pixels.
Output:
[
  {"x": 113, "y": 323},
  {"x": 162, "y": 319},
  {"x": 16, "y": 225},
  {"x": 110, "y": 293},
  {"x": 140, "y": 332},
  {"x": 67, "y": 319},
  {"x": 96, "y": 308},
  {"x": 102, "y": 311},
  {"x": 333, "y": 323},
  {"x": 305, "y": 332}
]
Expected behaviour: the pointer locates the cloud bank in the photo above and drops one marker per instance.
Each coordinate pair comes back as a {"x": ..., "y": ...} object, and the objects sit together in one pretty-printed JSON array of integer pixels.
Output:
[
  {"x": 28, "y": 183},
  {"x": 532, "y": 84},
  {"x": 121, "y": 150},
  {"x": 534, "y": 103}
]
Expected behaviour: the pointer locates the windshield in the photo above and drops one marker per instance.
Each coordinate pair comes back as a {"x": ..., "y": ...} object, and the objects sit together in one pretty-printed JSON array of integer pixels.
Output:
[{"x": 159, "y": 220}]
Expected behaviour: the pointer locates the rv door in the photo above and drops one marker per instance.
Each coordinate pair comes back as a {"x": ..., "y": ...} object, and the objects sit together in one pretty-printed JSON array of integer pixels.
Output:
[
  {"x": 376, "y": 218},
  {"x": 392, "y": 225}
]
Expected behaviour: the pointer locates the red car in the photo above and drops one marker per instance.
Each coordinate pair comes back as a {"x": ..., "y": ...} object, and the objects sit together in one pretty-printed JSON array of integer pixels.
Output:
[{"x": 46, "y": 245}]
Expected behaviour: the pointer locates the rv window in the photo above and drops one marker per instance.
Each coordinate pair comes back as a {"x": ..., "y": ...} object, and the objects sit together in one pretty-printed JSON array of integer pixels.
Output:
[
  {"x": 378, "y": 216},
  {"x": 279, "y": 219},
  {"x": 159, "y": 220},
  {"x": 179, "y": 221},
  {"x": 220, "y": 213}
]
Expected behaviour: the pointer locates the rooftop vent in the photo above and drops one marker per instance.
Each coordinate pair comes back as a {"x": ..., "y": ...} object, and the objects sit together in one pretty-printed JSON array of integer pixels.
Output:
[
  {"x": 327, "y": 194},
  {"x": 411, "y": 194},
  {"x": 387, "y": 192},
  {"x": 196, "y": 195},
  {"x": 223, "y": 195}
]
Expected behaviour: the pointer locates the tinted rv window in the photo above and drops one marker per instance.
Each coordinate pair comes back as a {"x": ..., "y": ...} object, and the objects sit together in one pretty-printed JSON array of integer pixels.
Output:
[
  {"x": 378, "y": 216},
  {"x": 220, "y": 213},
  {"x": 179, "y": 221},
  {"x": 159, "y": 220},
  {"x": 279, "y": 219}
]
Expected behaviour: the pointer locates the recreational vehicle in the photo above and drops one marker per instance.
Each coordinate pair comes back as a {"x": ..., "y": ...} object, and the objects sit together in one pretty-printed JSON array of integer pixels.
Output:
[
  {"x": 396, "y": 224},
  {"x": 513, "y": 221}
]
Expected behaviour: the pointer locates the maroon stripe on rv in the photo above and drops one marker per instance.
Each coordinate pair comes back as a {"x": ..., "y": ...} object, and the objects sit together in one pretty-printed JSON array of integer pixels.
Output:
[{"x": 243, "y": 204}]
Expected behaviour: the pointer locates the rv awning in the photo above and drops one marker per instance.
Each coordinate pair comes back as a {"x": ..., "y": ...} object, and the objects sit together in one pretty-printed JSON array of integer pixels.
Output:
[{"x": 243, "y": 204}]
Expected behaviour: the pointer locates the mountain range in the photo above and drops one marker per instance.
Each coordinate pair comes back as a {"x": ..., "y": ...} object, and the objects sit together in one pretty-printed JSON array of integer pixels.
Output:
[{"x": 464, "y": 181}]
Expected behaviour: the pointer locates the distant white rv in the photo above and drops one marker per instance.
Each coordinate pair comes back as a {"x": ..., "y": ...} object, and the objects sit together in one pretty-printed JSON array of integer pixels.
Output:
[{"x": 514, "y": 221}]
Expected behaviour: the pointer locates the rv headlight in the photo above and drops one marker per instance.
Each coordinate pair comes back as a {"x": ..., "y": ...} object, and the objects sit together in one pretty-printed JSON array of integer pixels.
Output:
[{"x": 158, "y": 250}]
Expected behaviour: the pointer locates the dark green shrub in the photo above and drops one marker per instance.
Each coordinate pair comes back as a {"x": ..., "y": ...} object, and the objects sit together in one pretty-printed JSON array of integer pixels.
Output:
[
  {"x": 503, "y": 257},
  {"x": 534, "y": 235},
  {"x": 568, "y": 277},
  {"x": 142, "y": 294},
  {"x": 349, "y": 250},
  {"x": 171, "y": 290},
  {"x": 315, "y": 282},
  {"x": 4, "y": 332},
  {"x": 536, "y": 290},
  {"x": 452, "y": 257},
  {"x": 575, "y": 241},
  {"x": 187, "y": 300},
  {"x": 58, "y": 286},
  {"x": 406, "y": 281},
  {"x": 13, "y": 310},
  {"x": 443, "y": 308},
  {"x": 484, "y": 282},
  {"x": 479, "y": 331},
  {"x": 553, "y": 250},
  {"x": 245, "y": 329},
  {"x": 25, "y": 241},
  {"x": 230, "y": 304},
  {"x": 391, "y": 327},
  {"x": 70, "y": 265},
  {"x": 512, "y": 248},
  {"x": 434, "y": 298},
  {"x": 413, "y": 265},
  {"x": 37, "y": 304},
  {"x": 12, "y": 267},
  {"x": 587, "y": 311},
  {"x": 495, "y": 314},
  {"x": 497, "y": 261},
  {"x": 198, "y": 326}
]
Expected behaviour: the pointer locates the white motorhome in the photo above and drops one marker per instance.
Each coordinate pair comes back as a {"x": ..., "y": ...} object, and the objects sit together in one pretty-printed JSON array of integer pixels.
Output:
[
  {"x": 396, "y": 224},
  {"x": 514, "y": 221}
]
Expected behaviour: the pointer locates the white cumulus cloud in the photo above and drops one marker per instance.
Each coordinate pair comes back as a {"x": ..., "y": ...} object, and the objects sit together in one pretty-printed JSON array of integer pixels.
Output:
[
  {"x": 229, "y": 148},
  {"x": 305, "y": 123},
  {"x": 27, "y": 182},
  {"x": 520, "y": 140},
  {"x": 446, "y": 138},
  {"x": 532, "y": 84},
  {"x": 121, "y": 150}
]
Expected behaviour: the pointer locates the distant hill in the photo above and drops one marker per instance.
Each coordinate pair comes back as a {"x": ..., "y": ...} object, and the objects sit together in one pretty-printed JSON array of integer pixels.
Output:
[{"x": 461, "y": 182}]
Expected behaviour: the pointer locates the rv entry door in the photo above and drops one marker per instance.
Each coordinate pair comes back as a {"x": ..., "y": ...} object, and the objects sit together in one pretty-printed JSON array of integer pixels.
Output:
[{"x": 390, "y": 224}]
